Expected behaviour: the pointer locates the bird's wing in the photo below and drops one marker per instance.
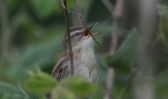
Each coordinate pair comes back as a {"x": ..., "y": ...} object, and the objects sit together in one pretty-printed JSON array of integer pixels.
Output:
[{"x": 61, "y": 69}]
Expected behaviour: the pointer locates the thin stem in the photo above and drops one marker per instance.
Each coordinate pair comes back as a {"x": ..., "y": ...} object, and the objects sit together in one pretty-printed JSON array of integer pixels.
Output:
[
  {"x": 117, "y": 13},
  {"x": 5, "y": 29},
  {"x": 109, "y": 84},
  {"x": 69, "y": 37},
  {"x": 108, "y": 5}
]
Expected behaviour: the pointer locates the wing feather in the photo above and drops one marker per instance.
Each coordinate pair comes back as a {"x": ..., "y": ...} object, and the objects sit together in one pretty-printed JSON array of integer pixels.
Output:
[{"x": 61, "y": 69}]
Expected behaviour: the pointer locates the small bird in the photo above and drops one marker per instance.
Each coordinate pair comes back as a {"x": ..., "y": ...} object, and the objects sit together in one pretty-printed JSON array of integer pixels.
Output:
[{"x": 83, "y": 56}]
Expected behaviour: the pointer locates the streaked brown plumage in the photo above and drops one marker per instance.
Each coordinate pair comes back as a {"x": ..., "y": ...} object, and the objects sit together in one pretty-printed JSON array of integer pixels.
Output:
[{"x": 84, "y": 58}]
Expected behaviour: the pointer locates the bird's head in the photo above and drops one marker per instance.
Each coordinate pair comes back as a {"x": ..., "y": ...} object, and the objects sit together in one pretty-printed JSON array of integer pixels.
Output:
[{"x": 80, "y": 35}]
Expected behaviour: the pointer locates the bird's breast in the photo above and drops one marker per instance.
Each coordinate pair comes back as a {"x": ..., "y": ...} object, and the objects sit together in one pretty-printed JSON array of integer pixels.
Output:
[{"x": 85, "y": 65}]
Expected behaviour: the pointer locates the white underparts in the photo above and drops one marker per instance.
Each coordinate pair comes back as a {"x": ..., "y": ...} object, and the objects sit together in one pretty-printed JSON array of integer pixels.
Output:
[{"x": 84, "y": 61}]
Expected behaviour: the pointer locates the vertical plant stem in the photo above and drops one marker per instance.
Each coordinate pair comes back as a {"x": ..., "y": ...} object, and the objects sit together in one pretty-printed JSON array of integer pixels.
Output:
[
  {"x": 5, "y": 29},
  {"x": 69, "y": 36},
  {"x": 109, "y": 84},
  {"x": 117, "y": 13},
  {"x": 147, "y": 23}
]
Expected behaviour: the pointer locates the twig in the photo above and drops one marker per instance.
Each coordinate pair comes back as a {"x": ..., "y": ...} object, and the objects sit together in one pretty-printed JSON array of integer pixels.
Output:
[
  {"x": 117, "y": 16},
  {"x": 64, "y": 2},
  {"x": 5, "y": 29},
  {"x": 117, "y": 24},
  {"x": 109, "y": 84},
  {"x": 108, "y": 5}
]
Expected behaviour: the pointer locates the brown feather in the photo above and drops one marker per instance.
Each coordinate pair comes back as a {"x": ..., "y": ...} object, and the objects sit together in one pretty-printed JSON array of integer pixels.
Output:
[{"x": 61, "y": 69}]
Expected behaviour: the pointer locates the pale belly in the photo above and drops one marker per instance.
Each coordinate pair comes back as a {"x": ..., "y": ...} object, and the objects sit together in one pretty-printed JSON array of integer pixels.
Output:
[
  {"x": 85, "y": 63},
  {"x": 86, "y": 73},
  {"x": 86, "y": 68}
]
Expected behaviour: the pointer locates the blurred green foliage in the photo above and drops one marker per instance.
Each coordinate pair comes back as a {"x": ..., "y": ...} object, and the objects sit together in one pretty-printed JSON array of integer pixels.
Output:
[
  {"x": 44, "y": 8},
  {"x": 9, "y": 91},
  {"x": 41, "y": 84},
  {"x": 37, "y": 30}
]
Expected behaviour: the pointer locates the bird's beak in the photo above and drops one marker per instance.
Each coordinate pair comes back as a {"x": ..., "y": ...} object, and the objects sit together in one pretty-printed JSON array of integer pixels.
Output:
[
  {"x": 91, "y": 26},
  {"x": 96, "y": 34}
]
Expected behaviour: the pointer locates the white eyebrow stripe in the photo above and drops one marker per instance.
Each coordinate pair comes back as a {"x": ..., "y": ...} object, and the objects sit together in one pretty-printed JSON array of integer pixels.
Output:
[
  {"x": 73, "y": 34},
  {"x": 76, "y": 32}
]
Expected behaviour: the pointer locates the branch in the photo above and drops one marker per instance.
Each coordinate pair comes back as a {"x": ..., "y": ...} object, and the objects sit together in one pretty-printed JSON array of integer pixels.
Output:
[
  {"x": 109, "y": 84},
  {"x": 147, "y": 23},
  {"x": 117, "y": 24},
  {"x": 64, "y": 2},
  {"x": 117, "y": 17},
  {"x": 5, "y": 29},
  {"x": 108, "y": 5}
]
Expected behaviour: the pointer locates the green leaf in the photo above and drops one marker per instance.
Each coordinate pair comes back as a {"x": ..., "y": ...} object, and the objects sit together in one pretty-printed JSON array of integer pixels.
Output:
[
  {"x": 70, "y": 4},
  {"x": 72, "y": 88},
  {"x": 40, "y": 54},
  {"x": 164, "y": 29},
  {"x": 44, "y": 8},
  {"x": 8, "y": 91},
  {"x": 164, "y": 23},
  {"x": 39, "y": 83},
  {"x": 78, "y": 86},
  {"x": 125, "y": 55},
  {"x": 61, "y": 93},
  {"x": 12, "y": 4},
  {"x": 161, "y": 81},
  {"x": 163, "y": 10}
]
